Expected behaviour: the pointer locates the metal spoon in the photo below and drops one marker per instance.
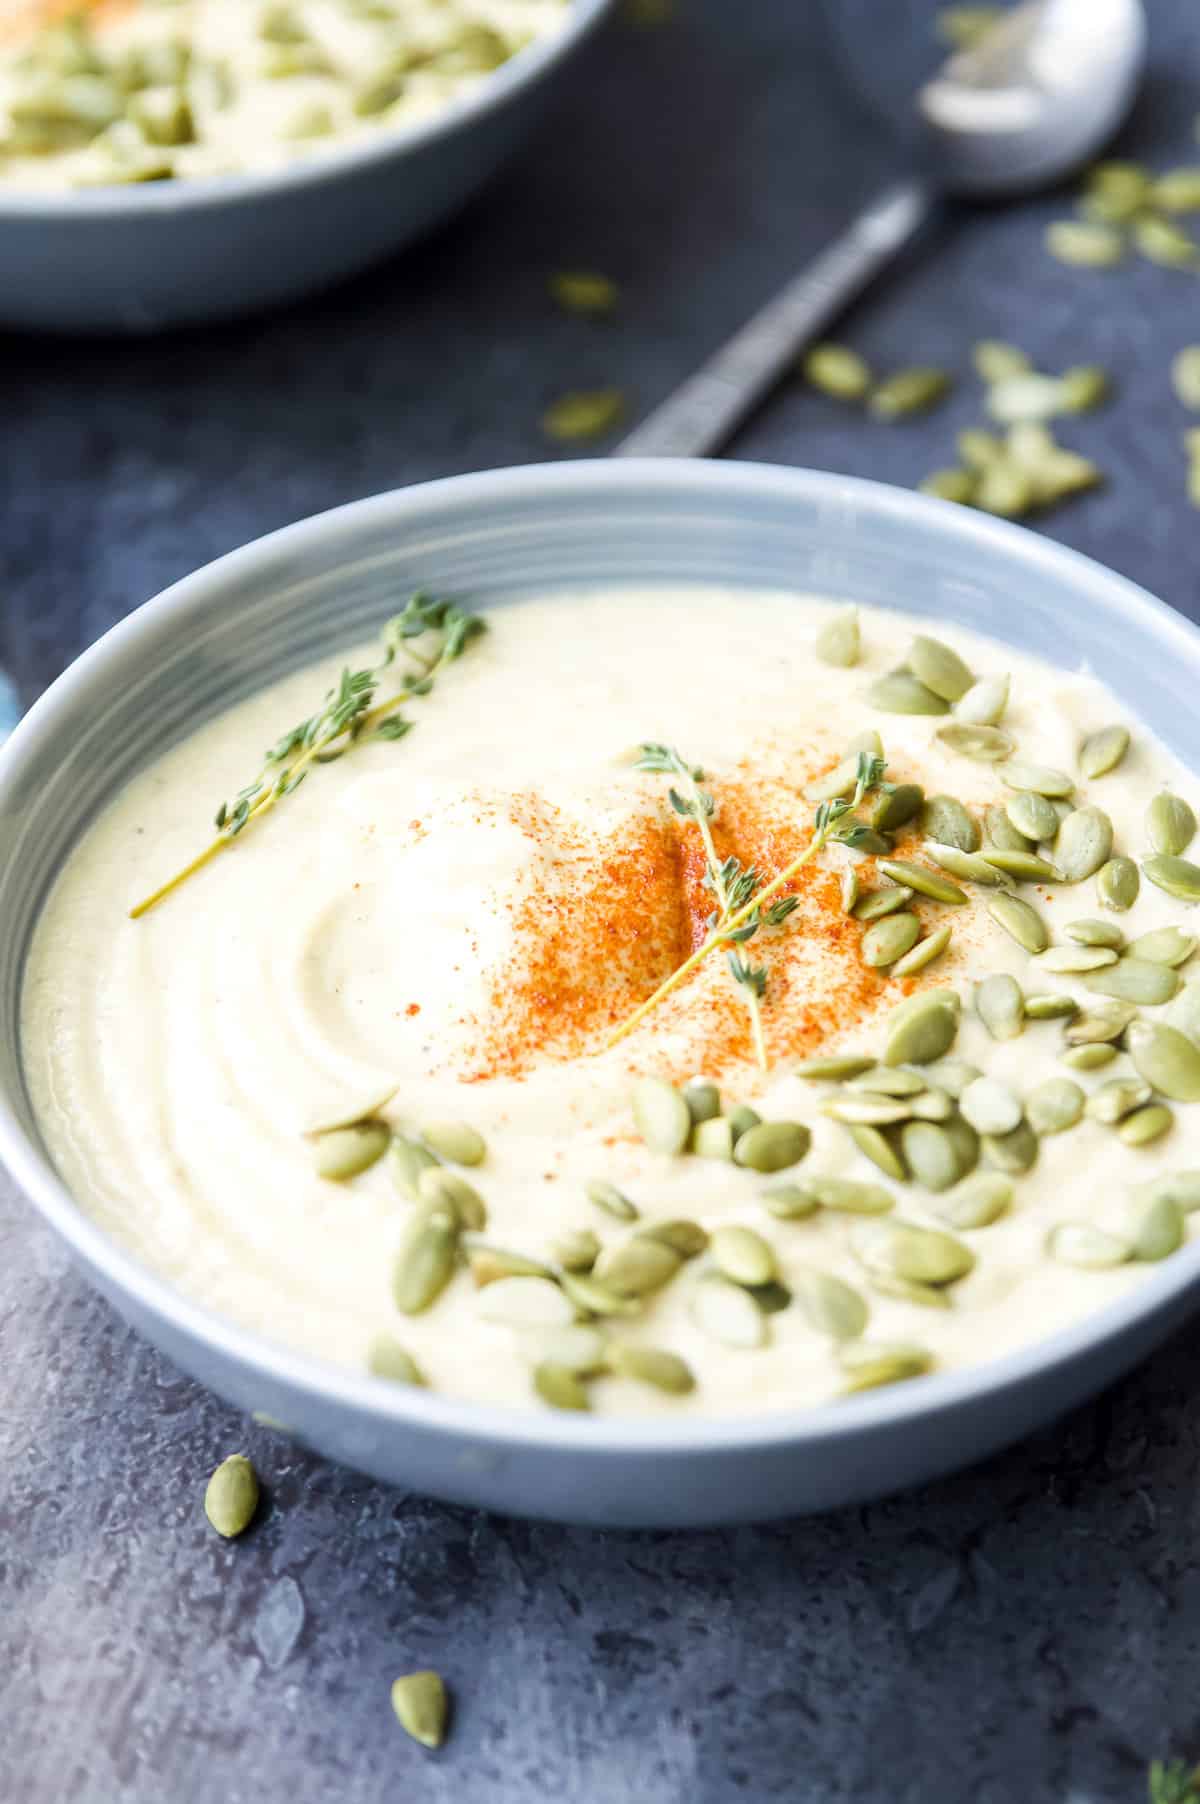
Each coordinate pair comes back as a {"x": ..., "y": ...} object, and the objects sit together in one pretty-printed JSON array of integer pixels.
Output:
[{"x": 1037, "y": 98}]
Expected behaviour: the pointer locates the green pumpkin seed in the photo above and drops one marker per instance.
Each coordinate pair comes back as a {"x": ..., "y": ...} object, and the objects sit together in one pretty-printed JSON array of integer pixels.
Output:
[
  {"x": 973, "y": 867},
  {"x": 900, "y": 693},
  {"x": 1078, "y": 1243},
  {"x": 1116, "y": 1099},
  {"x": 425, "y": 1262},
  {"x": 714, "y": 1139},
  {"x": 993, "y": 359},
  {"x": 408, "y": 1161},
  {"x": 687, "y": 1238},
  {"x": 907, "y": 1290},
  {"x": 1084, "y": 843},
  {"x": 874, "y": 1145},
  {"x": 946, "y": 821},
  {"x": 1170, "y": 824},
  {"x": 488, "y": 1263},
  {"x": 1183, "y": 1188},
  {"x": 873, "y": 1111},
  {"x": 638, "y": 1267},
  {"x": 1054, "y": 1105},
  {"x": 1103, "y": 751},
  {"x": 1043, "y": 779},
  {"x": 419, "y": 1700},
  {"x": 879, "y": 902},
  {"x": 742, "y": 1255},
  {"x": 1069, "y": 961},
  {"x": 606, "y": 1196},
  {"x": 920, "y": 878},
  {"x": 834, "y": 1067},
  {"x": 1089, "y": 1058},
  {"x": 703, "y": 1100},
  {"x": 741, "y": 1119},
  {"x": 1184, "y": 1012},
  {"x": 728, "y": 1313},
  {"x": 231, "y": 1496},
  {"x": 772, "y": 1146},
  {"x": 578, "y": 1348},
  {"x": 923, "y": 953},
  {"x": 966, "y": 1144},
  {"x": 949, "y": 485},
  {"x": 908, "y": 392},
  {"x": 1177, "y": 876},
  {"x": 849, "y": 890},
  {"x": 977, "y": 1201},
  {"x": 922, "y": 1255},
  {"x": 772, "y": 1297},
  {"x": 1146, "y": 1125},
  {"x": 1165, "y": 1058},
  {"x": 1015, "y": 1152},
  {"x": 559, "y": 1386},
  {"x": 654, "y": 1366},
  {"x": 576, "y": 1251},
  {"x": 1135, "y": 980},
  {"x": 1164, "y": 946},
  {"x": 1004, "y": 488},
  {"x": 839, "y": 641},
  {"x": 895, "y": 806},
  {"x": 1025, "y": 867},
  {"x": 455, "y": 1141},
  {"x": 1117, "y": 884},
  {"x": 1000, "y": 1006},
  {"x": 1019, "y": 920},
  {"x": 839, "y": 372},
  {"x": 1085, "y": 244},
  {"x": 584, "y": 414},
  {"x": 889, "y": 1080},
  {"x": 987, "y": 745},
  {"x": 386, "y": 1358},
  {"x": 662, "y": 1116},
  {"x": 583, "y": 291},
  {"x": 984, "y": 703},
  {"x": 1161, "y": 241},
  {"x": 935, "y": 1105},
  {"x": 525, "y": 1303},
  {"x": 868, "y": 1366},
  {"x": 831, "y": 1306},
  {"x": 929, "y": 1154},
  {"x": 922, "y": 1028},
  {"x": 344, "y": 1152},
  {"x": 939, "y": 668},
  {"x": 1185, "y": 375},
  {"x": 1032, "y": 815},
  {"x": 448, "y": 1191},
  {"x": 990, "y": 1107},
  {"x": 889, "y": 939},
  {"x": 848, "y": 1196},
  {"x": 952, "y": 1075},
  {"x": 1055, "y": 1007},
  {"x": 1001, "y": 834},
  {"x": 595, "y": 1298},
  {"x": 789, "y": 1202},
  {"x": 1095, "y": 933},
  {"x": 837, "y": 784},
  {"x": 1157, "y": 1231},
  {"x": 1107, "y": 1021}
]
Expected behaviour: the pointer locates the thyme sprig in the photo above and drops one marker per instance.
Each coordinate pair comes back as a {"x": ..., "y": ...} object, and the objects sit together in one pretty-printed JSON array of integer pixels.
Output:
[
  {"x": 868, "y": 775},
  {"x": 348, "y": 714},
  {"x": 733, "y": 886}
]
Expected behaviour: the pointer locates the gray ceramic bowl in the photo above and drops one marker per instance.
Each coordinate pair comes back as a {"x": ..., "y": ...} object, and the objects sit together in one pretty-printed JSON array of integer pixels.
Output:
[
  {"x": 138, "y": 259},
  {"x": 306, "y": 591}
]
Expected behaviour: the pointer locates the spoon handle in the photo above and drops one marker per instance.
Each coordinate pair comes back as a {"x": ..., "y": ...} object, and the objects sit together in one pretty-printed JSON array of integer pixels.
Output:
[{"x": 702, "y": 414}]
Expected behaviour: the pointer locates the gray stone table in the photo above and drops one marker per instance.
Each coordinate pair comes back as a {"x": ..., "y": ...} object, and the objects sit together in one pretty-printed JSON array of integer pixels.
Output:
[{"x": 1027, "y": 1631}]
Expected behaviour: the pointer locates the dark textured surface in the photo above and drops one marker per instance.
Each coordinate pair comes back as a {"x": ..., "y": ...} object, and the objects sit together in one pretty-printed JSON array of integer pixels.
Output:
[{"x": 1028, "y": 1631}]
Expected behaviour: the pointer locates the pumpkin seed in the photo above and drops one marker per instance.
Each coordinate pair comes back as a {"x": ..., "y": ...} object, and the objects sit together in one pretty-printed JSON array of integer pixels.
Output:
[
  {"x": 790, "y": 1202},
  {"x": 1165, "y": 1058},
  {"x": 1004, "y": 488},
  {"x": 966, "y": 1144},
  {"x": 973, "y": 867},
  {"x": 889, "y": 939},
  {"x": 1050, "y": 1008},
  {"x": 947, "y": 822},
  {"x": 559, "y": 1386},
  {"x": 1170, "y": 824},
  {"x": 952, "y": 1075},
  {"x": 1015, "y": 1152},
  {"x": 1177, "y": 191},
  {"x": 1000, "y": 1006},
  {"x": 895, "y": 806},
  {"x": 455, "y": 1141},
  {"x": 231, "y": 1496},
  {"x": 1164, "y": 946},
  {"x": 1028, "y": 399},
  {"x": 922, "y": 1255},
  {"x": 595, "y": 1298},
  {"x": 1025, "y": 867},
  {"x": 939, "y": 667},
  {"x": 1032, "y": 815},
  {"x": 772, "y": 1146},
  {"x": 687, "y": 1238},
  {"x": 867, "y": 741},
  {"x": 907, "y": 1290},
  {"x": 977, "y": 1201},
  {"x": 1184, "y": 1012},
  {"x": 741, "y": 1119},
  {"x": 1146, "y": 1125},
  {"x": 1095, "y": 933},
  {"x": 908, "y": 392},
  {"x": 834, "y": 1066},
  {"x": 920, "y": 878},
  {"x": 525, "y": 1303},
  {"x": 703, "y": 1100},
  {"x": 453, "y": 1194},
  {"x": 579, "y": 1348},
  {"x": 386, "y": 1358},
  {"x": 583, "y": 291},
  {"x": 900, "y": 693},
  {"x": 637, "y": 1267},
  {"x": 987, "y": 745},
  {"x": 1043, "y": 779},
  {"x": 1117, "y": 884},
  {"x": 984, "y": 703},
  {"x": 1089, "y": 1058},
  {"x": 849, "y": 1196},
  {"x": 873, "y": 1111},
  {"x": 1115, "y": 192},
  {"x": 840, "y": 372},
  {"x": 949, "y": 485},
  {"x": 923, "y": 953},
  {"x": 1177, "y": 876},
  {"x": 1185, "y": 375},
  {"x": 831, "y": 1306},
  {"x": 344, "y": 1152},
  {"x": 606, "y": 1196},
  {"x": 836, "y": 784},
  {"x": 935, "y": 1105},
  {"x": 1135, "y": 980},
  {"x": 488, "y": 1263},
  {"x": 889, "y": 1080},
  {"x": 1078, "y": 1243},
  {"x": 576, "y": 1251},
  {"x": 1066, "y": 961},
  {"x": 1054, "y": 1106},
  {"x": 742, "y": 1255},
  {"x": 874, "y": 1145},
  {"x": 1001, "y": 834},
  {"x": 419, "y": 1700},
  {"x": 1161, "y": 241},
  {"x": 849, "y": 889},
  {"x": 1157, "y": 1230},
  {"x": 584, "y": 414},
  {"x": 1102, "y": 751},
  {"x": 839, "y": 641},
  {"x": 922, "y": 1028},
  {"x": 714, "y": 1139},
  {"x": 1084, "y": 843},
  {"x": 989, "y": 1106},
  {"x": 880, "y": 1364},
  {"x": 654, "y": 1366},
  {"x": 1107, "y": 1021},
  {"x": 1115, "y": 1099},
  {"x": 662, "y": 1116},
  {"x": 425, "y": 1262},
  {"x": 879, "y": 902},
  {"x": 408, "y": 1161},
  {"x": 1020, "y": 920},
  {"x": 995, "y": 360},
  {"x": 727, "y": 1313},
  {"x": 1085, "y": 244},
  {"x": 1183, "y": 1187},
  {"x": 929, "y": 1154},
  {"x": 979, "y": 450}
]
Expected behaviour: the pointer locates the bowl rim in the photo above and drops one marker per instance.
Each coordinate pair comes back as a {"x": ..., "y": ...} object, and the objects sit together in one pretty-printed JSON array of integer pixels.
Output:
[
  {"x": 140, "y": 199},
  {"x": 503, "y": 1428}
]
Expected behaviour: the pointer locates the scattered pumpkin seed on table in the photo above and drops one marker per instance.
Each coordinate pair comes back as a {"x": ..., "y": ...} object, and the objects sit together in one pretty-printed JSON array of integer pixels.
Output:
[
  {"x": 422, "y": 1707},
  {"x": 583, "y": 291},
  {"x": 231, "y": 1496},
  {"x": 908, "y": 392},
  {"x": 584, "y": 414},
  {"x": 838, "y": 371}
]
